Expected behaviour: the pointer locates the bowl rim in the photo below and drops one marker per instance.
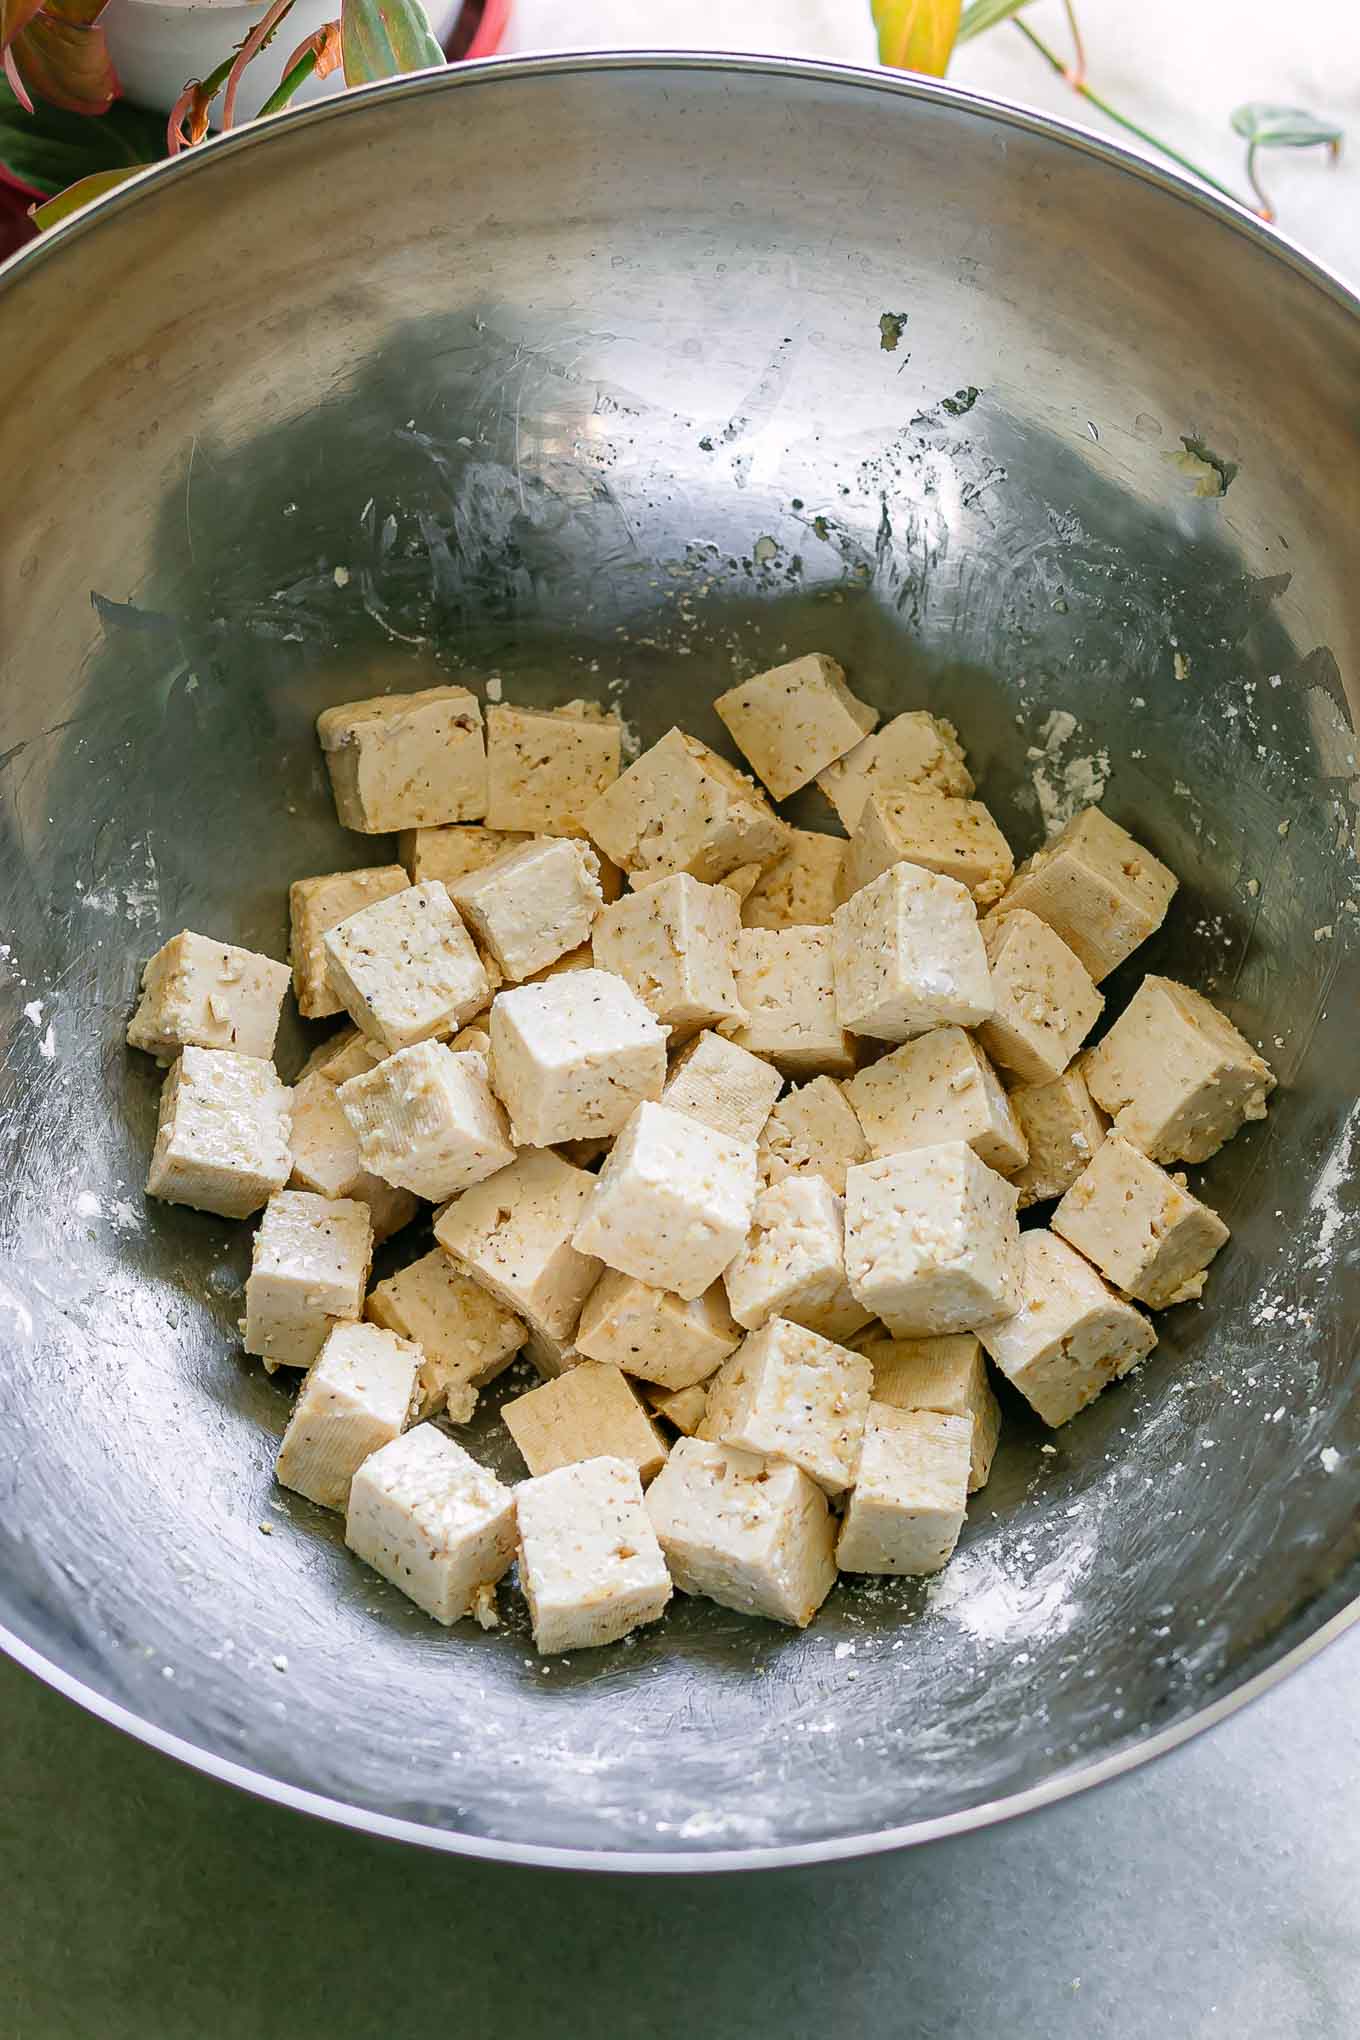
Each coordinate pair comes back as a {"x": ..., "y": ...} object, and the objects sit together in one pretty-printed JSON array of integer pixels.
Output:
[
  {"x": 1017, "y": 114},
  {"x": 838, "y": 1848}
]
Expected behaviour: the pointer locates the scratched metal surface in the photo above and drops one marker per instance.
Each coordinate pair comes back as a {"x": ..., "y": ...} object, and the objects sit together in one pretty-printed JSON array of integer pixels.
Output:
[{"x": 603, "y": 405}]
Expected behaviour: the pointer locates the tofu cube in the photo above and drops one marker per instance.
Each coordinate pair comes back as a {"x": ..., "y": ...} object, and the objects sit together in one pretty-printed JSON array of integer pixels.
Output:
[
  {"x": 308, "y": 1272},
  {"x": 222, "y": 1135},
  {"x": 743, "y": 880},
  {"x": 360, "y": 1395},
  {"x": 326, "y": 1158},
  {"x": 466, "y": 1337},
  {"x": 316, "y": 904},
  {"x": 454, "y": 853},
  {"x": 911, "y": 1496},
  {"x": 908, "y": 955},
  {"x": 344, "y": 1055},
  {"x": 956, "y": 838},
  {"x": 589, "y": 1561},
  {"x": 931, "y": 1241},
  {"x": 550, "y": 1356},
  {"x": 457, "y": 851},
  {"x": 672, "y": 1202},
  {"x": 656, "y": 1336},
  {"x": 426, "y": 1119},
  {"x": 513, "y": 1233},
  {"x": 1142, "y": 1228},
  {"x": 793, "y": 1263},
  {"x": 812, "y": 1131},
  {"x": 915, "y": 750},
  {"x": 791, "y": 1394},
  {"x": 546, "y": 766},
  {"x": 1175, "y": 1075},
  {"x": 681, "y": 807},
  {"x": 425, "y": 1515},
  {"x": 572, "y": 1057},
  {"x": 197, "y": 993},
  {"x": 532, "y": 906},
  {"x": 726, "y": 1087},
  {"x": 1071, "y": 1335},
  {"x": 473, "y": 1040},
  {"x": 799, "y": 890},
  {"x": 575, "y": 959},
  {"x": 406, "y": 761},
  {"x": 1045, "y": 1002},
  {"x": 750, "y": 1533},
  {"x": 786, "y": 987},
  {"x": 938, "y": 1087},
  {"x": 793, "y": 721},
  {"x": 947, "y": 1375},
  {"x": 405, "y": 968},
  {"x": 1097, "y": 888},
  {"x": 682, "y": 1407},
  {"x": 675, "y": 943},
  {"x": 1062, "y": 1126},
  {"x": 588, "y": 1412}
]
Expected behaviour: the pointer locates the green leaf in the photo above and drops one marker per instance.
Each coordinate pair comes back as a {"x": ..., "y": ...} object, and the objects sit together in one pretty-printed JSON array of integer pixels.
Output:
[
  {"x": 980, "y": 15},
  {"x": 916, "y": 35},
  {"x": 1283, "y": 127},
  {"x": 82, "y": 192},
  {"x": 384, "y": 38},
  {"x": 49, "y": 149}
]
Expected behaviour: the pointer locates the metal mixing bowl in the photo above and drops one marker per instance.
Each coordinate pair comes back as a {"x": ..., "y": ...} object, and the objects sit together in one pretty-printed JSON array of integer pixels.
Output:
[{"x": 621, "y": 378}]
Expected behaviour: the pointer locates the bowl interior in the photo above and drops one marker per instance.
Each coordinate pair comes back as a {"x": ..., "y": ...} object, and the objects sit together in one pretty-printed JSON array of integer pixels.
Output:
[{"x": 624, "y": 380}]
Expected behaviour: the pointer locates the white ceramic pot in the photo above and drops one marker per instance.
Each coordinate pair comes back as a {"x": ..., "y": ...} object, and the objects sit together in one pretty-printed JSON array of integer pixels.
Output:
[
  {"x": 841, "y": 30},
  {"x": 158, "y": 45}
]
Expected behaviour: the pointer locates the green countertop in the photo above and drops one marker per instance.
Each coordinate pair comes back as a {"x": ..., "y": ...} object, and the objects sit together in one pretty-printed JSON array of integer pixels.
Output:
[{"x": 1210, "y": 1894}]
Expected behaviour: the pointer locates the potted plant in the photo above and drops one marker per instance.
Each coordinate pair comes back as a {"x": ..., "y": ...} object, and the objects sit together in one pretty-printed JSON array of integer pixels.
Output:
[
  {"x": 94, "y": 90},
  {"x": 197, "y": 64},
  {"x": 155, "y": 46}
]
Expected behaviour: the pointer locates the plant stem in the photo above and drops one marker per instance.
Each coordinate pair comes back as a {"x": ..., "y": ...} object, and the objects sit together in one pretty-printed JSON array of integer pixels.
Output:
[
  {"x": 216, "y": 79},
  {"x": 16, "y": 83},
  {"x": 251, "y": 47},
  {"x": 1055, "y": 63},
  {"x": 288, "y": 85},
  {"x": 1263, "y": 204},
  {"x": 1076, "y": 77},
  {"x": 192, "y": 106}
]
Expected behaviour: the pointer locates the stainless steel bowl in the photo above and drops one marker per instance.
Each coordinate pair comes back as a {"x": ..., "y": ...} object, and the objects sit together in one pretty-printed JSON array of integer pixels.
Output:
[{"x": 622, "y": 376}]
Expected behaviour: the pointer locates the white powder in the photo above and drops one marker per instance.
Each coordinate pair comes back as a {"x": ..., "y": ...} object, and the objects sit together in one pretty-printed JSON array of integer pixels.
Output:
[
  {"x": 981, "y": 1595},
  {"x": 139, "y": 900},
  {"x": 1325, "y": 1201},
  {"x": 630, "y": 741},
  {"x": 142, "y": 900},
  {"x": 1064, "y": 785},
  {"x": 103, "y": 901},
  {"x": 20, "y": 1315}
]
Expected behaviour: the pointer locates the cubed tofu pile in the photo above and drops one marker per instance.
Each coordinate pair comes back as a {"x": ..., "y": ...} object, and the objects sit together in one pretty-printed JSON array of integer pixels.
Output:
[{"x": 725, "y": 1124}]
